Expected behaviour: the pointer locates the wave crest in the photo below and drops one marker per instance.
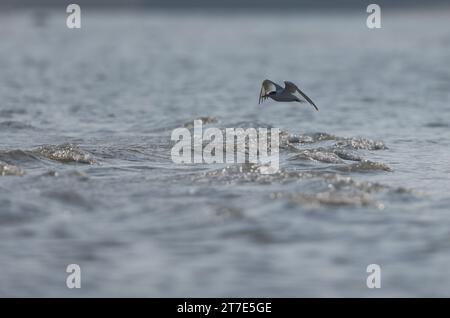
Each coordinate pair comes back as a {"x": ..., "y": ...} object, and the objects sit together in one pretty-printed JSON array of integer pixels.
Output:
[
  {"x": 365, "y": 165},
  {"x": 65, "y": 153},
  {"x": 10, "y": 170}
]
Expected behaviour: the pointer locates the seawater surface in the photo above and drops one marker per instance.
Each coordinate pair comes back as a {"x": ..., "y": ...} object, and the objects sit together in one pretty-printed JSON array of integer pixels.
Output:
[{"x": 86, "y": 175}]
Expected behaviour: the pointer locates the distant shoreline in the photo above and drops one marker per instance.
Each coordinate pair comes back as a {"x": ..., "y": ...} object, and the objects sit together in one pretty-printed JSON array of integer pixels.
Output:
[{"x": 280, "y": 5}]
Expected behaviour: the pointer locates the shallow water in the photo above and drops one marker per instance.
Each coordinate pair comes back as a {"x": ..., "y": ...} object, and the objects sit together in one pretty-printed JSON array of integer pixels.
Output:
[{"x": 86, "y": 175}]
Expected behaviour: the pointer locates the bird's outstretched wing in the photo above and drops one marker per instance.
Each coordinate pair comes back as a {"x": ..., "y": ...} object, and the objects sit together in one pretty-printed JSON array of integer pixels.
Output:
[
  {"x": 267, "y": 87},
  {"x": 292, "y": 88}
]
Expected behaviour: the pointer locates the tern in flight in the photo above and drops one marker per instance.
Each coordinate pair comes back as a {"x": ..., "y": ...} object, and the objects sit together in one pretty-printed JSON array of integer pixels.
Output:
[{"x": 290, "y": 93}]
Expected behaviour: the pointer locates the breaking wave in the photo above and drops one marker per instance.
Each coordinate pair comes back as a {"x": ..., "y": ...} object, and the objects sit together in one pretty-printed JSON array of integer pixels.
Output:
[
  {"x": 65, "y": 153},
  {"x": 365, "y": 165},
  {"x": 318, "y": 155},
  {"x": 318, "y": 187},
  {"x": 10, "y": 170},
  {"x": 326, "y": 181},
  {"x": 319, "y": 164}
]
